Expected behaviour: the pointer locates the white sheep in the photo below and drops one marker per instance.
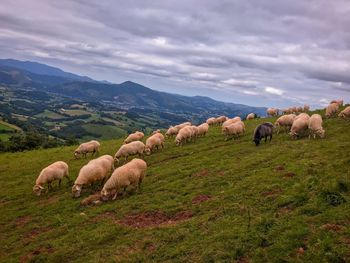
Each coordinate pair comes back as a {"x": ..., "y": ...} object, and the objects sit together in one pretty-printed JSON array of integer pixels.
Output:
[
  {"x": 203, "y": 129},
  {"x": 331, "y": 109},
  {"x": 94, "y": 171},
  {"x": 250, "y": 116},
  {"x": 220, "y": 119},
  {"x": 272, "y": 112},
  {"x": 55, "y": 171},
  {"x": 339, "y": 102},
  {"x": 299, "y": 126},
  {"x": 302, "y": 115},
  {"x": 136, "y": 136},
  {"x": 173, "y": 130},
  {"x": 180, "y": 126},
  {"x": 345, "y": 113},
  {"x": 156, "y": 131},
  {"x": 130, "y": 174},
  {"x": 183, "y": 135},
  {"x": 92, "y": 146},
  {"x": 211, "y": 121},
  {"x": 315, "y": 126},
  {"x": 234, "y": 130},
  {"x": 153, "y": 142},
  {"x": 132, "y": 148},
  {"x": 306, "y": 108},
  {"x": 285, "y": 121}
]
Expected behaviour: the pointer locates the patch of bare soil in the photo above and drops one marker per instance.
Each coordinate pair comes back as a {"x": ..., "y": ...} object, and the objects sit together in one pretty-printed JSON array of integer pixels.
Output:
[
  {"x": 48, "y": 201},
  {"x": 272, "y": 193},
  {"x": 332, "y": 227},
  {"x": 289, "y": 174},
  {"x": 279, "y": 168},
  {"x": 200, "y": 198},
  {"x": 243, "y": 259},
  {"x": 22, "y": 220},
  {"x": 154, "y": 219},
  {"x": 37, "y": 251},
  {"x": 204, "y": 172}
]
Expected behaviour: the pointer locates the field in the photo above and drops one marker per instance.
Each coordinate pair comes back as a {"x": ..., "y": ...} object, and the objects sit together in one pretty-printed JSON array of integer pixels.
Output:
[
  {"x": 208, "y": 201},
  {"x": 7, "y": 130}
]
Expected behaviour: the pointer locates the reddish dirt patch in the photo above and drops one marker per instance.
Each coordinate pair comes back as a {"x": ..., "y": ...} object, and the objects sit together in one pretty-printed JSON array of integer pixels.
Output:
[
  {"x": 200, "y": 198},
  {"x": 154, "y": 219},
  {"x": 222, "y": 173},
  {"x": 48, "y": 201},
  {"x": 106, "y": 215},
  {"x": 289, "y": 174},
  {"x": 272, "y": 193},
  {"x": 37, "y": 231},
  {"x": 37, "y": 251},
  {"x": 332, "y": 227},
  {"x": 279, "y": 168},
  {"x": 204, "y": 172},
  {"x": 243, "y": 259},
  {"x": 22, "y": 220},
  {"x": 284, "y": 210}
]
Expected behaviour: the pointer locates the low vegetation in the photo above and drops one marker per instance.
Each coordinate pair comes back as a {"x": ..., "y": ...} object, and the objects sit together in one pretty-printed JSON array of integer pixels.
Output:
[{"x": 208, "y": 201}]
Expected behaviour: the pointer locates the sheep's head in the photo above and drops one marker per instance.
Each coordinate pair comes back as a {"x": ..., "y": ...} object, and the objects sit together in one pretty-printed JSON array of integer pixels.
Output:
[
  {"x": 76, "y": 190},
  {"x": 105, "y": 194},
  {"x": 37, "y": 189},
  {"x": 257, "y": 141},
  {"x": 76, "y": 154},
  {"x": 341, "y": 115},
  {"x": 321, "y": 133},
  {"x": 116, "y": 160},
  {"x": 148, "y": 150}
]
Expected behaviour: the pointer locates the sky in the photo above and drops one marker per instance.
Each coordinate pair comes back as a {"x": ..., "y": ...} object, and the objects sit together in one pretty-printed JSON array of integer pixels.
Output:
[{"x": 255, "y": 52}]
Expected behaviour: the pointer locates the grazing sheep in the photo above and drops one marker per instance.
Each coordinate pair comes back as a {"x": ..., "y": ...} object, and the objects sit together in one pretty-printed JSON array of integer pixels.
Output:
[
  {"x": 250, "y": 116},
  {"x": 195, "y": 131},
  {"x": 153, "y": 142},
  {"x": 220, "y": 119},
  {"x": 156, "y": 131},
  {"x": 331, "y": 110},
  {"x": 231, "y": 121},
  {"x": 180, "y": 126},
  {"x": 315, "y": 126},
  {"x": 136, "y": 136},
  {"x": 234, "y": 130},
  {"x": 173, "y": 130},
  {"x": 339, "y": 102},
  {"x": 211, "y": 121},
  {"x": 87, "y": 147},
  {"x": 302, "y": 116},
  {"x": 287, "y": 111},
  {"x": 94, "y": 171},
  {"x": 130, "y": 174},
  {"x": 306, "y": 108},
  {"x": 285, "y": 121},
  {"x": 160, "y": 136},
  {"x": 263, "y": 130},
  {"x": 272, "y": 112},
  {"x": 55, "y": 171},
  {"x": 203, "y": 129},
  {"x": 132, "y": 148},
  {"x": 345, "y": 113},
  {"x": 299, "y": 126},
  {"x": 183, "y": 135}
]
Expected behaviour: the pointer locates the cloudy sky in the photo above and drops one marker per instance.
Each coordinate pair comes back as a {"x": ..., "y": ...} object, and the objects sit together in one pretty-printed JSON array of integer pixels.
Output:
[{"x": 266, "y": 53}]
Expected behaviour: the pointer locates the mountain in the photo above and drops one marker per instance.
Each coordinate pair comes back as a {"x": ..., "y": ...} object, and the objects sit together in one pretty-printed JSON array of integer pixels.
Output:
[
  {"x": 127, "y": 95},
  {"x": 41, "y": 69}
]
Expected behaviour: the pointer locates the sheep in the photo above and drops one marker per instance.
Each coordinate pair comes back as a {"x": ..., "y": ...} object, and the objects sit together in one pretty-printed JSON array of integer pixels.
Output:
[
  {"x": 263, "y": 130},
  {"x": 285, "y": 121},
  {"x": 300, "y": 109},
  {"x": 234, "y": 129},
  {"x": 173, "y": 130},
  {"x": 345, "y": 113},
  {"x": 306, "y": 108},
  {"x": 250, "y": 116},
  {"x": 220, "y": 119},
  {"x": 231, "y": 121},
  {"x": 299, "y": 126},
  {"x": 87, "y": 147},
  {"x": 160, "y": 136},
  {"x": 153, "y": 142},
  {"x": 211, "y": 121},
  {"x": 315, "y": 126},
  {"x": 95, "y": 170},
  {"x": 339, "y": 102},
  {"x": 156, "y": 131},
  {"x": 287, "y": 111},
  {"x": 302, "y": 115},
  {"x": 55, "y": 171},
  {"x": 132, "y": 148},
  {"x": 131, "y": 173},
  {"x": 272, "y": 112},
  {"x": 331, "y": 110},
  {"x": 195, "y": 131},
  {"x": 203, "y": 129},
  {"x": 180, "y": 126},
  {"x": 136, "y": 136},
  {"x": 183, "y": 135}
]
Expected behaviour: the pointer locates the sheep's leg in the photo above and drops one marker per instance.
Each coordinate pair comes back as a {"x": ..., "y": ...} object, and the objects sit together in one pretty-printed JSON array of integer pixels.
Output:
[
  {"x": 265, "y": 138},
  {"x": 270, "y": 137},
  {"x": 59, "y": 182}
]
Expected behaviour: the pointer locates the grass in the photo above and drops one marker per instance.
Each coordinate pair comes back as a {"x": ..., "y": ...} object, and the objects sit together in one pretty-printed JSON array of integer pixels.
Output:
[
  {"x": 106, "y": 131},
  {"x": 284, "y": 201},
  {"x": 73, "y": 112},
  {"x": 50, "y": 115}
]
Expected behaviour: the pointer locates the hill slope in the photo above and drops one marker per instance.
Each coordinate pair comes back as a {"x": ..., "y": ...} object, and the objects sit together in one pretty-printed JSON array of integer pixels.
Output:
[{"x": 287, "y": 200}]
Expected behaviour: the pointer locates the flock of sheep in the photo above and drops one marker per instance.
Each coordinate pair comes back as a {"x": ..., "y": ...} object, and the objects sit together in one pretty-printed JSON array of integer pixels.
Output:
[{"x": 133, "y": 172}]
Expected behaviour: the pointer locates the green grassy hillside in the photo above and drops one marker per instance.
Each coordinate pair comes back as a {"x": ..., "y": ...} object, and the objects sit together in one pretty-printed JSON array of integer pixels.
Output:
[{"x": 209, "y": 201}]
